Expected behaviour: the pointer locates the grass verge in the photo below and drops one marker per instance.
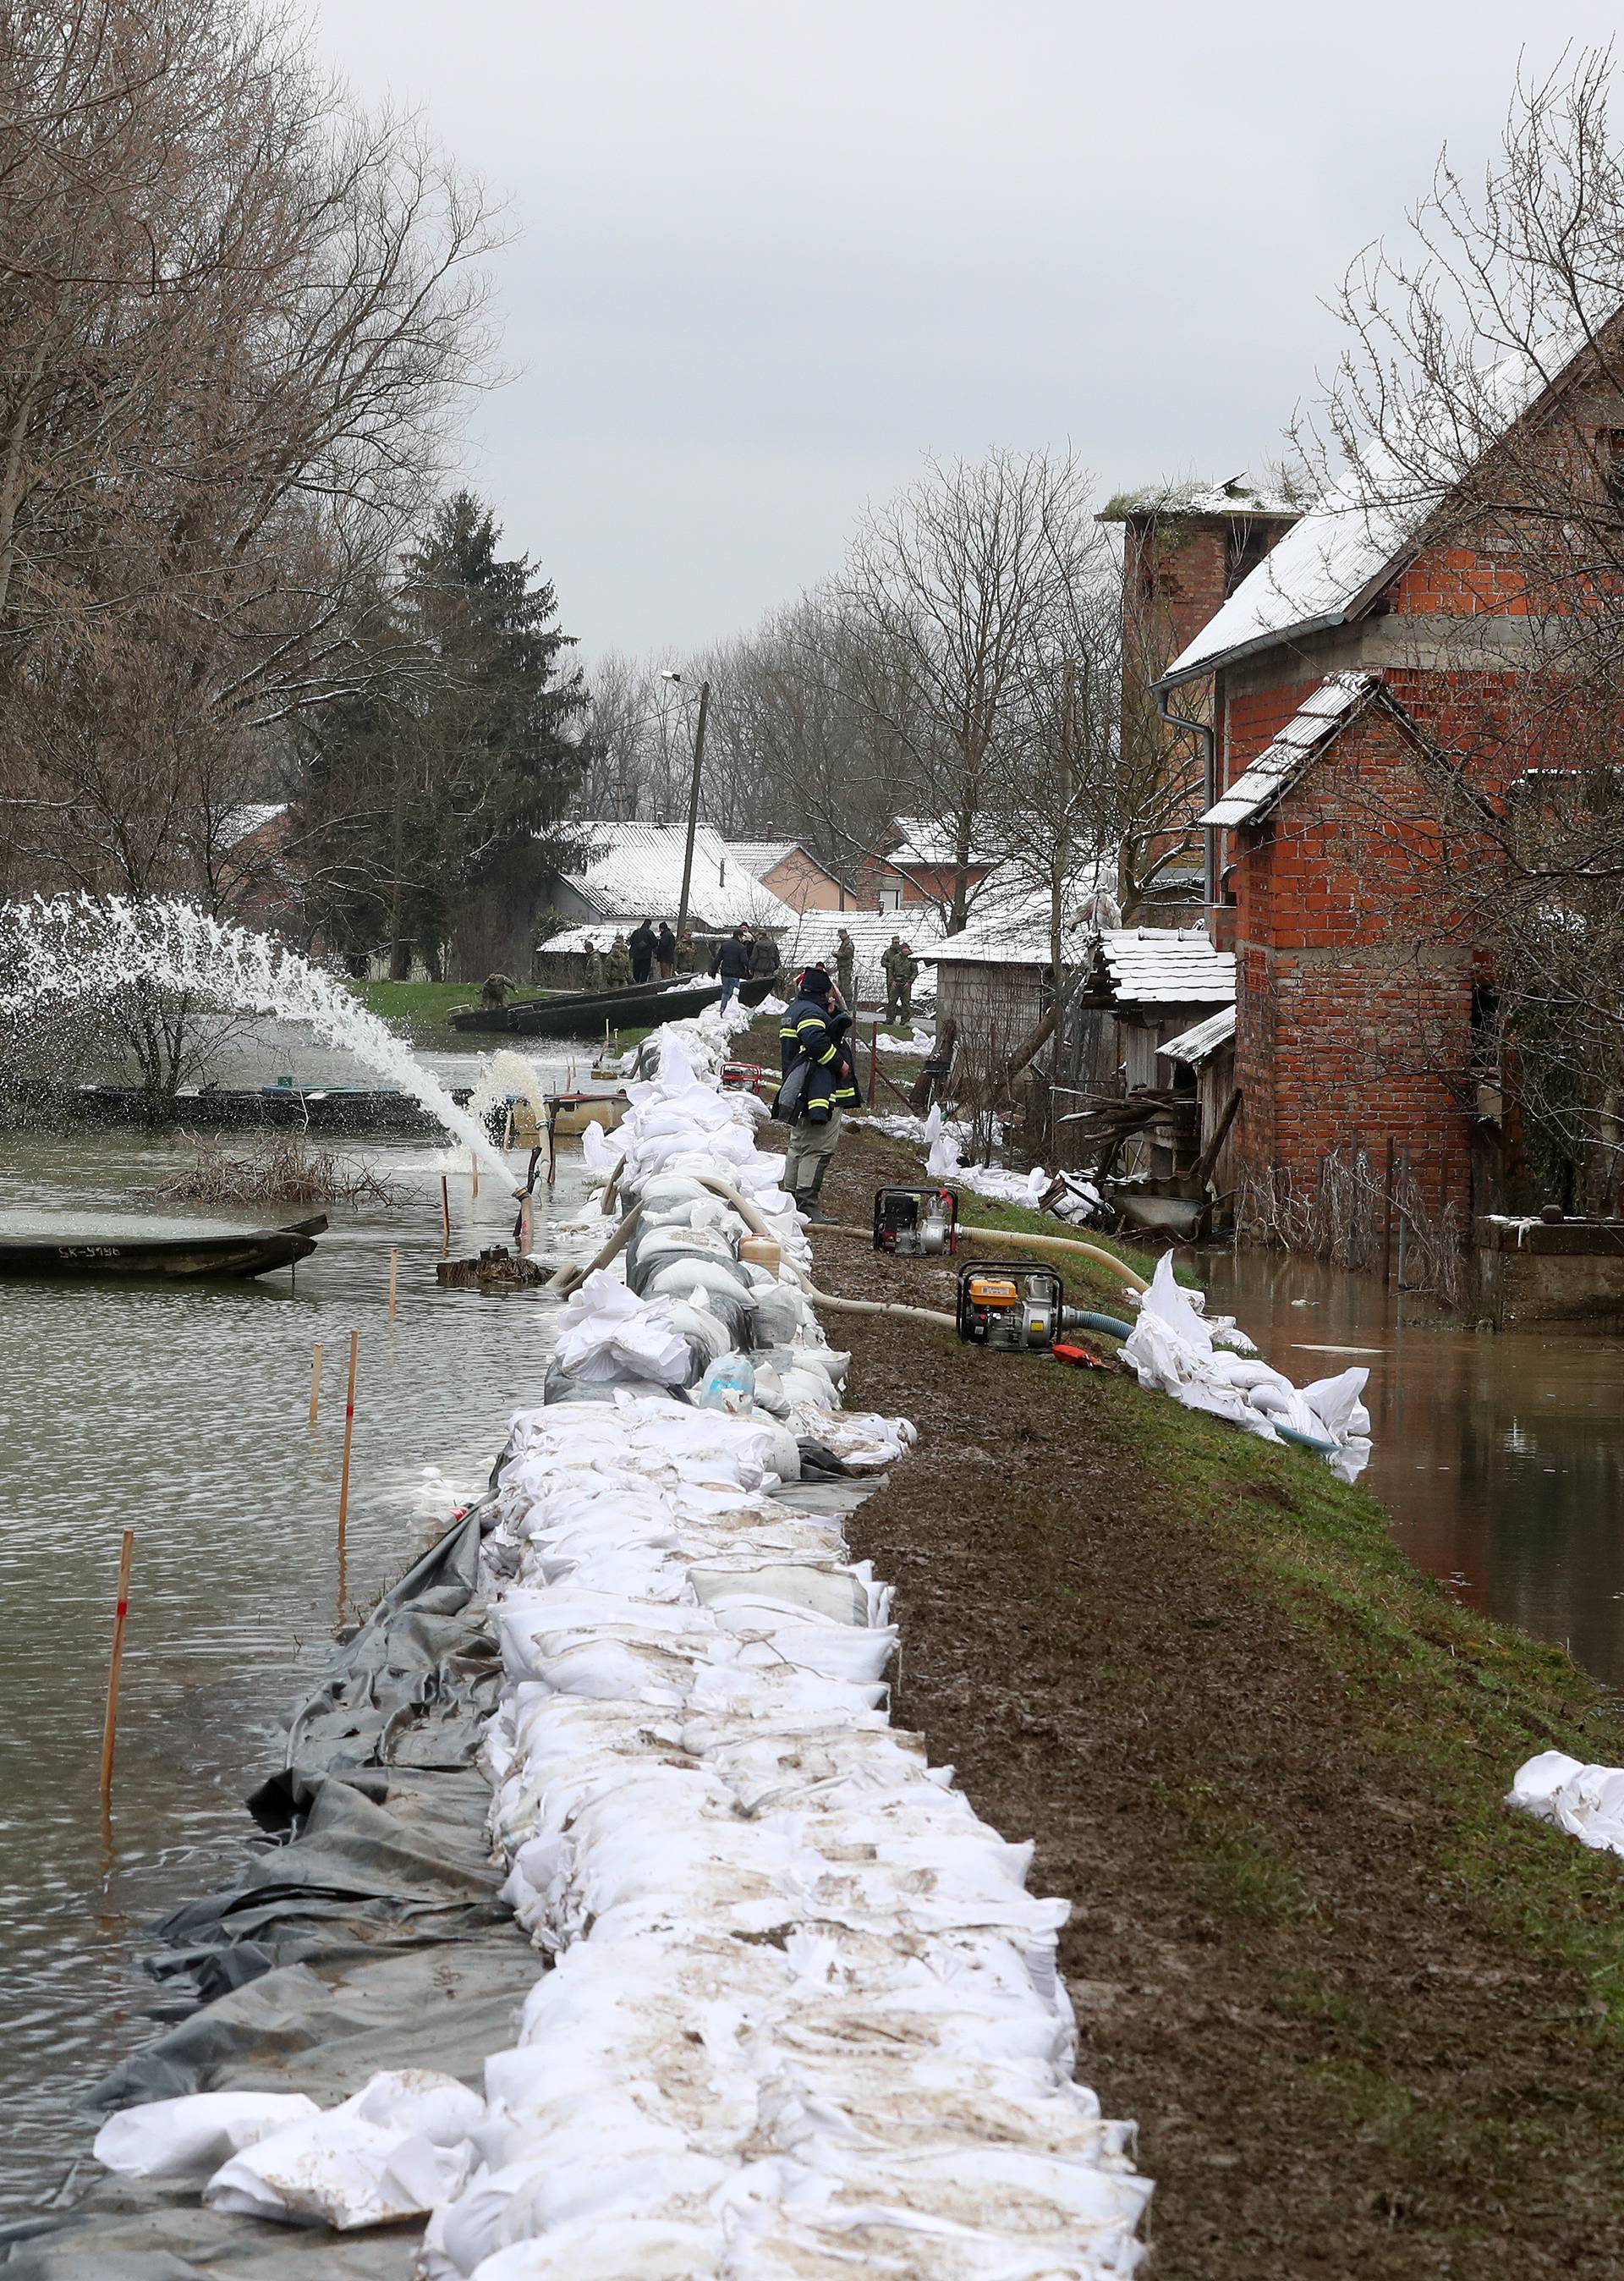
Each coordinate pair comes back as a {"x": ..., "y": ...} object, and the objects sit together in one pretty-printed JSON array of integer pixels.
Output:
[{"x": 1370, "y": 2022}]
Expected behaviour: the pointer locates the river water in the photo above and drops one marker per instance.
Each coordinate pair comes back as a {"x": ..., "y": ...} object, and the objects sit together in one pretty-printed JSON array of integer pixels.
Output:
[
  {"x": 1499, "y": 1456},
  {"x": 182, "y": 1413}
]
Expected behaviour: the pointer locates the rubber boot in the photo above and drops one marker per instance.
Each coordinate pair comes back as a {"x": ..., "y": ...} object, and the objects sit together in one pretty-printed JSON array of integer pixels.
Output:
[{"x": 808, "y": 1197}]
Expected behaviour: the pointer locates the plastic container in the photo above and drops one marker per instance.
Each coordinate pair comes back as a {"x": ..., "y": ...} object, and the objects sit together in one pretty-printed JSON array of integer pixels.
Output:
[
  {"x": 760, "y": 1251},
  {"x": 729, "y": 1384}
]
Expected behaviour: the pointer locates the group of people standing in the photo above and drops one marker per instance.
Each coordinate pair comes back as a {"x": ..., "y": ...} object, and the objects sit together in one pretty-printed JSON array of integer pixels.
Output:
[
  {"x": 627, "y": 963},
  {"x": 737, "y": 959}
]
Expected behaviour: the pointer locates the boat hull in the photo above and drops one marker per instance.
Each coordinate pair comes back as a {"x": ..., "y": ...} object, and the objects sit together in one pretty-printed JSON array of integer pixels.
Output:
[
  {"x": 180, "y": 1259},
  {"x": 584, "y": 1014}
]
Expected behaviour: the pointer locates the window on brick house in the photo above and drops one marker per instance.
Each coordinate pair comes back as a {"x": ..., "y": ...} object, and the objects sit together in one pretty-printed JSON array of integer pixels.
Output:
[{"x": 1244, "y": 548}]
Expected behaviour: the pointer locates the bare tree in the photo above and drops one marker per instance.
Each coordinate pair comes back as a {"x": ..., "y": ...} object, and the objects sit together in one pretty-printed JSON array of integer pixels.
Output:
[
  {"x": 238, "y": 316},
  {"x": 962, "y": 579}
]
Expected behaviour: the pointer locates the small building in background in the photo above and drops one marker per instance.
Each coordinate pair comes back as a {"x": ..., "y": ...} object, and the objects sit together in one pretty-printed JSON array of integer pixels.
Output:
[
  {"x": 1207, "y": 1054},
  {"x": 634, "y": 871},
  {"x": 789, "y": 871},
  {"x": 916, "y": 862}
]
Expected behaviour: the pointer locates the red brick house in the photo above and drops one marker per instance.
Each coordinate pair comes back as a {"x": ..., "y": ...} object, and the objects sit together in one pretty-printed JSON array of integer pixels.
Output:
[
  {"x": 1327, "y": 689},
  {"x": 916, "y": 862}
]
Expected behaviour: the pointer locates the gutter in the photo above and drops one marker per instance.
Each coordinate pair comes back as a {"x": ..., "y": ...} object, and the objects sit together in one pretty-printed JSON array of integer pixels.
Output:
[{"x": 1209, "y": 735}]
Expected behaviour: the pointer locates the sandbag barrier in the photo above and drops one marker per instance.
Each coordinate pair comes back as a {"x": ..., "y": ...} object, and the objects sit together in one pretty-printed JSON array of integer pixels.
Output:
[{"x": 801, "y": 2012}]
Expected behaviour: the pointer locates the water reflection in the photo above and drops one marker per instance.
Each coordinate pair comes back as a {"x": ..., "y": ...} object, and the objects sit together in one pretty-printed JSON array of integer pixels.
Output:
[
  {"x": 182, "y": 1413},
  {"x": 1500, "y": 1456}
]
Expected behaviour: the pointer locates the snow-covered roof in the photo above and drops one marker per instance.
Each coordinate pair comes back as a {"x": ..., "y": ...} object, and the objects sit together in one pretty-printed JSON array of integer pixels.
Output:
[
  {"x": 759, "y": 856},
  {"x": 925, "y": 841},
  {"x": 636, "y": 873},
  {"x": 1159, "y": 966},
  {"x": 240, "y": 824},
  {"x": 1199, "y": 1044},
  {"x": 1342, "y": 552},
  {"x": 815, "y": 933},
  {"x": 1237, "y": 497},
  {"x": 1331, "y": 706},
  {"x": 1016, "y": 934}
]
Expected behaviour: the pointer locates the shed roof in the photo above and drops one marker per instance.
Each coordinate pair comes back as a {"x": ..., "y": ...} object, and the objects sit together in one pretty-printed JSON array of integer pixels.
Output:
[
  {"x": 1014, "y": 933},
  {"x": 1199, "y": 1044},
  {"x": 636, "y": 872},
  {"x": 1316, "y": 721},
  {"x": 1159, "y": 966},
  {"x": 759, "y": 856},
  {"x": 815, "y": 935}
]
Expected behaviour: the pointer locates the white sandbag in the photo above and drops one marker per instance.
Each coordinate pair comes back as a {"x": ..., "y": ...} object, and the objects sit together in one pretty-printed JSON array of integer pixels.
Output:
[
  {"x": 836, "y": 1594},
  {"x": 598, "y": 1152},
  {"x": 189, "y": 2138},
  {"x": 681, "y": 1278},
  {"x": 608, "y": 1334},
  {"x": 1336, "y": 1403},
  {"x": 393, "y": 2151},
  {"x": 1586, "y": 1801}
]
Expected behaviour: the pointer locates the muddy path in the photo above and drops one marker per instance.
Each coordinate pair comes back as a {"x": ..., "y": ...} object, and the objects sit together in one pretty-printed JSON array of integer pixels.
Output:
[{"x": 1367, "y": 2021}]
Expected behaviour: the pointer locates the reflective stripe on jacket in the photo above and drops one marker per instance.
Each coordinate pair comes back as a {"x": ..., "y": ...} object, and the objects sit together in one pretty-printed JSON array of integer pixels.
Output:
[{"x": 808, "y": 1033}]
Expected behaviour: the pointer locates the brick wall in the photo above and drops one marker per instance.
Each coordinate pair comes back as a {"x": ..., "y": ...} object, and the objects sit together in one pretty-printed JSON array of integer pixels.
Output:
[{"x": 1354, "y": 1014}]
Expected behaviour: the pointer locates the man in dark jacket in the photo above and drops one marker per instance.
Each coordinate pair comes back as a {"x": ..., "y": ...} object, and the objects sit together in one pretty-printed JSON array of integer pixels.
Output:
[
  {"x": 666, "y": 950},
  {"x": 812, "y": 1042},
  {"x": 642, "y": 948},
  {"x": 735, "y": 963}
]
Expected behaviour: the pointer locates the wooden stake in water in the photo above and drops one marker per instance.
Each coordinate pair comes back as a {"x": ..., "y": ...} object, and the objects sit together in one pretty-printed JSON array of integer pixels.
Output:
[
  {"x": 507, "y": 1130},
  {"x": 446, "y": 1209},
  {"x": 315, "y": 1382},
  {"x": 473, "y": 1172},
  {"x": 343, "y": 1478},
  {"x": 394, "y": 1279},
  {"x": 109, "y": 1725}
]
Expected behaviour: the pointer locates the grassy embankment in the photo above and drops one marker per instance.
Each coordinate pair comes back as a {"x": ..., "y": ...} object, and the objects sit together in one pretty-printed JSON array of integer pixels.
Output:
[{"x": 1369, "y": 2021}]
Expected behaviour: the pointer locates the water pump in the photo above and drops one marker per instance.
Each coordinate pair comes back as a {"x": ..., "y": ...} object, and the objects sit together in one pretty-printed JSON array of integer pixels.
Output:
[
  {"x": 916, "y": 1223},
  {"x": 1011, "y": 1306}
]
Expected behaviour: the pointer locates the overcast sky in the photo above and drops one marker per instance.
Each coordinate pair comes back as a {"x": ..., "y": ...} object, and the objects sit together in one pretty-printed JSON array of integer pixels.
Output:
[{"x": 770, "y": 251}]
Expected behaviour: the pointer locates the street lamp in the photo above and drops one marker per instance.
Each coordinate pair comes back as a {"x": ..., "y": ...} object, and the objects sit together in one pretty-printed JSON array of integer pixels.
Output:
[{"x": 693, "y": 796}]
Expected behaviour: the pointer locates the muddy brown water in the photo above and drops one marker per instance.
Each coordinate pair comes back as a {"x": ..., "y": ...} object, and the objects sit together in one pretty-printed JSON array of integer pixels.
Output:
[
  {"x": 181, "y": 1412},
  {"x": 1500, "y": 1455}
]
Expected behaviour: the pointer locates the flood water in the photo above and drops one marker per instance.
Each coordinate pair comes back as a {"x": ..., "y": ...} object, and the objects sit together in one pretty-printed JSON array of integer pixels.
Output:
[
  {"x": 182, "y": 1413},
  {"x": 1499, "y": 1456}
]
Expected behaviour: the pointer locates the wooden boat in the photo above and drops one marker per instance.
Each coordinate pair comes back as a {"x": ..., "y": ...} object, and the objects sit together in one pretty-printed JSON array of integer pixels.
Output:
[
  {"x": 570, "y": 1113},
  {"x": 584, "y": 1013},
  {"x": 252, "y": 1251}
]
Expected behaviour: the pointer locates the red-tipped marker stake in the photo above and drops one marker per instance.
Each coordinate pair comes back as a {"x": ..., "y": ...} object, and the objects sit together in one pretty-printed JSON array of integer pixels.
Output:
[{"x": 109, "y": 1725}]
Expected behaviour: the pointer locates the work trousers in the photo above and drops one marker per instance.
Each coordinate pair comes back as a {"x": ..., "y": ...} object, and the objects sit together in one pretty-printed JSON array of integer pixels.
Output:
[{"x": 808, "y": 1145}]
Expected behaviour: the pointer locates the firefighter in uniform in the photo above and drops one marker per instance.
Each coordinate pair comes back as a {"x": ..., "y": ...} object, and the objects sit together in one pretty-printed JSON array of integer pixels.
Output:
[{"x": 813, "y": 1046}]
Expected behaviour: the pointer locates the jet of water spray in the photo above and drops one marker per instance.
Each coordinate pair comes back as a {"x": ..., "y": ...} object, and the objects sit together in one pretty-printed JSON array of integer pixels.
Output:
[{"x": 83, "y": 947}]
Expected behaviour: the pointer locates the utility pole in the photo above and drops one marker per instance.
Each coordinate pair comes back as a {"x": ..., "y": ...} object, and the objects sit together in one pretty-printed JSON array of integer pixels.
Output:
[
  {"x": 1060, "y": 854},
  {"x": 693, "y": 803}
]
